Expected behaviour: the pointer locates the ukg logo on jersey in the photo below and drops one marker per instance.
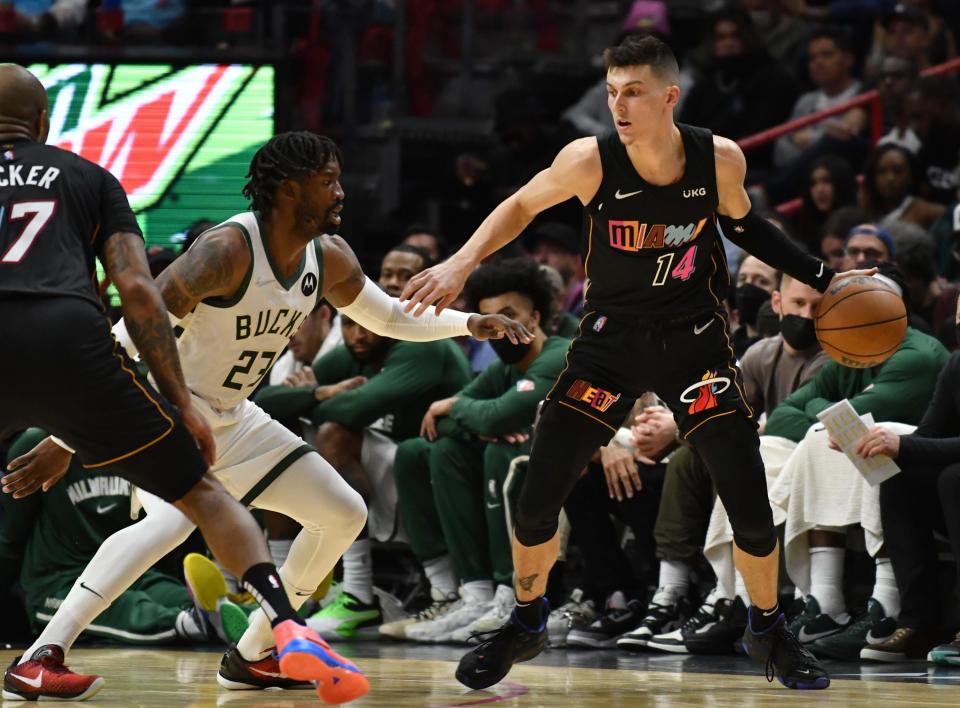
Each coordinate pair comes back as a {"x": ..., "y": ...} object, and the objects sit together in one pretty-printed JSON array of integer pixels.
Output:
[{"x": 634, "y": 235}]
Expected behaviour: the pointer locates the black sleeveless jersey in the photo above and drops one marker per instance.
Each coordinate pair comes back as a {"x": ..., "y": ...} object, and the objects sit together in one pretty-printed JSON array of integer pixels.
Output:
[
  {"x": 654, "y": 252},
  {"x": 56, "y": 211}
]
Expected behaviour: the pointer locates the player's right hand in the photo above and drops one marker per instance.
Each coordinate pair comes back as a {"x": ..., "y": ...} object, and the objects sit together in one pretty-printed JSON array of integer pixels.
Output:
[
  {"x": 201, "y": 434},
  {"x": 438, "y": 286},
  {"x": 39, "y": 468}
]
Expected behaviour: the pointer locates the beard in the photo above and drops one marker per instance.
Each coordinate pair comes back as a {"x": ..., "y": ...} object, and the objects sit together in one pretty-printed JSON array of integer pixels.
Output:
[
  {"x": 309, "y": 223},
  {"x": 375, "y": 352}
]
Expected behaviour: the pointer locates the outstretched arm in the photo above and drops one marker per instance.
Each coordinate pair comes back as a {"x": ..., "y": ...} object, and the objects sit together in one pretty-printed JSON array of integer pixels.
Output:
[
  {"x": 756, "y": 235},
  {"x": 360, "y": 299},
  {"x": 575, "y": 172}
]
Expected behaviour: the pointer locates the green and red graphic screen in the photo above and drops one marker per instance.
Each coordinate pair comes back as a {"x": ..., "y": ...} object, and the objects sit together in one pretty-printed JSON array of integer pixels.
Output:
[{"x": 179, "y": 139}]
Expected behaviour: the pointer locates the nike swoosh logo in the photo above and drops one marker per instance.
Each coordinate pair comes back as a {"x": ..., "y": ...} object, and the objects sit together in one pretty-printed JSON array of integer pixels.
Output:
[
  {"x": 697, "y": 329},
  {"x": 90, "y": 589},
  {"x": 806, "y": 637},
  {"x": 820, "y": 272},
  {"x": 260, "y": 282},
  {"x": 618, "y": 195},
  {"x": 34, "y": 682},
  {"x": 803, "y": 671},
  {"x": 492, "y": 506},
  {"x": 105, "y": 509},
  {"x": 266, "y": 673}
]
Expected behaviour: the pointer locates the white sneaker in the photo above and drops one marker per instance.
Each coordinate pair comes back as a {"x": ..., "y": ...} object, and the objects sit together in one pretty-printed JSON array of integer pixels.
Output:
[
  {"x": 575, "y": 613},
  {"x": 503, "y": 603},
  {"x": 463, "y": 612},
  {"x": 441, "y": 605}
]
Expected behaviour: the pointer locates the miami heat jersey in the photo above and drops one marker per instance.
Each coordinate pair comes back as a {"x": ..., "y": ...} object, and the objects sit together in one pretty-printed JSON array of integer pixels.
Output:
[
  {"x": 654, "y": 251},
  {"x": 227, "y": 346}
]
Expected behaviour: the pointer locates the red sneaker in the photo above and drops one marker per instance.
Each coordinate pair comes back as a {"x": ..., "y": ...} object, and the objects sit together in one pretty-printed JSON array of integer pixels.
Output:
[
  {"x": 304, "y": 656},
  {"x": 44, "y": 677}
]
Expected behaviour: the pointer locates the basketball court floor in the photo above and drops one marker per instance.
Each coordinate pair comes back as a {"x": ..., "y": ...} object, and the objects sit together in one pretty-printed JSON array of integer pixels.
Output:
[{"x": 409, "y": 675}]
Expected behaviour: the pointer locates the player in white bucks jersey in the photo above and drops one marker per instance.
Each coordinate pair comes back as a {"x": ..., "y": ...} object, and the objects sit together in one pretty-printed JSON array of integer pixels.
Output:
[{"x": 236, "y": 297}]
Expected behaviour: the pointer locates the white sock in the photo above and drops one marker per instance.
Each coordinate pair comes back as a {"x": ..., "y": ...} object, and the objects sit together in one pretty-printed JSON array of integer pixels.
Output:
[
  {"x": 478, "y": 591},
  {"x": 674, "y": 581},
  {"x": 440, "y": 574},
  {"x": 826, "y": 579},
  {"x": 885, "y": 590},
  {"x": 742, "y": 589},
  {"x": 358, "y": 571},
  {"x": 119, "y": 561},
  {"x": 279, "y": 550},
  {"x": 724, "y": 570},
  {"x": 78, "y": 609}
]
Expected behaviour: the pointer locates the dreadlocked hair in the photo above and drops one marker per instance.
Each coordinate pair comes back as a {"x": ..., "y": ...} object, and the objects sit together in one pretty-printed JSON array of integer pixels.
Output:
[
  {"x": 520, "y": 275},
  {"x": 282, "y": 157}
]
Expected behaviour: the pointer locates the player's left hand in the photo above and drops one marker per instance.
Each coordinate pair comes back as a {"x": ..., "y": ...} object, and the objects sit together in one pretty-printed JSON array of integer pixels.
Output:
[
  {"x": 40, "y": 468},
  {"x": 852, "y": 273},
  {"x": 498, "y": 327},
  {"x": 878, "y": 441}
]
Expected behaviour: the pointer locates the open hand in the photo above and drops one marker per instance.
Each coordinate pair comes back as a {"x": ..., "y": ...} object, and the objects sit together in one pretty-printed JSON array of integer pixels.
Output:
[
  {"x": 498, "y": 327},
  {"x": 40, "y": 468},
  {"x": 438, "y": 286}
]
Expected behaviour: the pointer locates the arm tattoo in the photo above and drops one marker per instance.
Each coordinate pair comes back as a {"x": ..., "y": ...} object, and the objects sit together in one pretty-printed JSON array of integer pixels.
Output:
[
  {"x": 144, "y": 314},
  {"x": 526, "y": 583},
  {"x": 209, "y": 267}
]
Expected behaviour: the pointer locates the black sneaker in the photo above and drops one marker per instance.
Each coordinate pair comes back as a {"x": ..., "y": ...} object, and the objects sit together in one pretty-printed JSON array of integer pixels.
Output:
[
  {"x": 723, "y": 635},
  {"x": 660, "y": 619},
  {"x": 713, "y": 629},
  {"x": 238, "y": 674},
  {"x": 603, "y": 632},
  {"x": 501, "y": 649},
  {"x": 784, "y": 657}
]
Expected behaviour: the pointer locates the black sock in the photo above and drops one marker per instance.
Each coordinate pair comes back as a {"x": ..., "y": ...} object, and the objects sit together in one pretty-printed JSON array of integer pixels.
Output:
[
  {"x": 762, "y": 620},
  {"x": 530, "y": 613},
  {"x": 263, "y": 582}
]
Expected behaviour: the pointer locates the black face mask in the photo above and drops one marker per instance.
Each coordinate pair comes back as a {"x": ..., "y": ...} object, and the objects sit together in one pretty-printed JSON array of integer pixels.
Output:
[
  {"x": 509, "y": 352},
  {"x": 748, "y": 300},
  {"x": 798, "y": 331}
]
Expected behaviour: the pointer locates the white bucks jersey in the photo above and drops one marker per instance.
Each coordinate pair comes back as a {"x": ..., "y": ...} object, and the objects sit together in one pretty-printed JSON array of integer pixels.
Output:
[{"x": 227, "y": 346}]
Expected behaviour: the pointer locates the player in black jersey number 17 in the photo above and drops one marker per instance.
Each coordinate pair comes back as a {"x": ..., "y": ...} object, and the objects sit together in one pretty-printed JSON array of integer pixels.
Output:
[
  {"x": 61, "y": 370},
  {"x": 657, "y": 193}
]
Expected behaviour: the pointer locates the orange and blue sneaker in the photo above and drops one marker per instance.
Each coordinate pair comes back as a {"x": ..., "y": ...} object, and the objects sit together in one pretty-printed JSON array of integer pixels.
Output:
[
  {"x": 304, "y": 656},
  {"x": 45, "y": 678}
]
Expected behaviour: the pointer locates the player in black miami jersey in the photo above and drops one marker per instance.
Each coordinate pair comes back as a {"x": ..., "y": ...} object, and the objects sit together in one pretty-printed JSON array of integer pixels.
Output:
[
  {"x": 657, "y": 194},
  {"x": 60, "y": 369}
]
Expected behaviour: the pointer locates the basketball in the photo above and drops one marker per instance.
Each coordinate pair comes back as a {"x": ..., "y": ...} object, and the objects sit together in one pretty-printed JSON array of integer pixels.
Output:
[{"x": 861, "y": 321}]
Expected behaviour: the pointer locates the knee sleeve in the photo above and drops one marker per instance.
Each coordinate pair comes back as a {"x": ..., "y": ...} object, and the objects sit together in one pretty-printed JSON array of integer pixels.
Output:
[
  {"x": 730, "y": 448},
  {"x": 565, "y": 441}
]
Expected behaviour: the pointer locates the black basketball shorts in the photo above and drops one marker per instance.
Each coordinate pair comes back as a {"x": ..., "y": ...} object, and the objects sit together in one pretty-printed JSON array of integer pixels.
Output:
[
  {"x": 688, "y": 362},
  {"x": 60, "y": 370}
]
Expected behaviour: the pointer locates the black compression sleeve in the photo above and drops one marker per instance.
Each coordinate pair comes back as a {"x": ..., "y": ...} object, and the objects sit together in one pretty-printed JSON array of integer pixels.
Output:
[{"x": 760, "y": 238}]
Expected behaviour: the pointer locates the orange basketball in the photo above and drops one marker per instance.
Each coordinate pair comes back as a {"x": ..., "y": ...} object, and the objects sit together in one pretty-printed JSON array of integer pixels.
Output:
[{"x": 861, "y": 321}]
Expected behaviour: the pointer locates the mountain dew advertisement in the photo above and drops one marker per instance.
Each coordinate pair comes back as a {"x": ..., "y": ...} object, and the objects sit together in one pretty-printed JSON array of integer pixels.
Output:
[{"x": 179, "y": 139}]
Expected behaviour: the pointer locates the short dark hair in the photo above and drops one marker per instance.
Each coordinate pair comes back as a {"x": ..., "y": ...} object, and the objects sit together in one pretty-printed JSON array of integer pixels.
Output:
[
  {"x": 520, "y": 275},
  {"x": 644, "y": 51},
  {"x": 842, "y": 220},
  {"x": 285, "y": 156},
  {"x": 415, "y": 250},
  {"x": 838, "y": 35}
]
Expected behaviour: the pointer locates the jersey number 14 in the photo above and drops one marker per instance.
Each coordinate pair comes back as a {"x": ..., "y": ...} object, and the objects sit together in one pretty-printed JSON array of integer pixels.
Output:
[{"x": 683, "y": 271}]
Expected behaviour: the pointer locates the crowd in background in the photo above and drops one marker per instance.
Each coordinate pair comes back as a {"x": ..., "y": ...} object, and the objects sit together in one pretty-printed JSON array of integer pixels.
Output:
[{"x": 435, "y": 435}]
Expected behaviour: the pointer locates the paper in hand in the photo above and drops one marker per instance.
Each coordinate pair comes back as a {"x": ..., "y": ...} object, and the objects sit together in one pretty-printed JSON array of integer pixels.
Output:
[{"x": 846, "y": 428}]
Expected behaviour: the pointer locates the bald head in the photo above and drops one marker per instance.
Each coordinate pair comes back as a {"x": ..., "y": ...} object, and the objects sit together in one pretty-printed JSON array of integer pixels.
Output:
[{"x": 23, "y": 104}]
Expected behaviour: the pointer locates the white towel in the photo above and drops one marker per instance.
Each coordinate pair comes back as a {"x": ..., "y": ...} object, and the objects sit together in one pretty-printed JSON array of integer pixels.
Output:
[{"x": 819, "y": 487}]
